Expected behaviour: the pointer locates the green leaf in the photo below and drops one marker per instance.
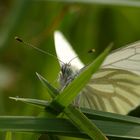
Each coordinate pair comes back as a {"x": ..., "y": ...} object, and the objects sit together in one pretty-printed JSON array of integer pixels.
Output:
[
  {"x": 107, "y": 116},
  {"x": 35, "y": 124},
  {"x": 131, "y": 3},
  {"x": 83, "y": 123},
  {"x": 58, "y": 126},
  {"x": 40, "y": 103},
  {"x": 8, "y": 135},
  {"x": 79, "y": 119},
  {"x": 51, "y": 90},
  {"x": 91, "y": 114}
]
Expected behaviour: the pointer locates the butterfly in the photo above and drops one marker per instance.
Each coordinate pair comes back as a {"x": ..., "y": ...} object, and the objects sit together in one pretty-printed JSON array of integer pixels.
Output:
[{"x": 115, "y": 87}]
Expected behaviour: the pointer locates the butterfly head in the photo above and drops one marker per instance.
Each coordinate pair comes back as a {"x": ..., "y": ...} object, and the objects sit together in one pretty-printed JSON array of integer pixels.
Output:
[{"x": 67, "y": 74}]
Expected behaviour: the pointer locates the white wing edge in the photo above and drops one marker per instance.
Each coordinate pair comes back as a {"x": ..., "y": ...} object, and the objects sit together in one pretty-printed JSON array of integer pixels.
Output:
[{"x": 64, "y": 50}]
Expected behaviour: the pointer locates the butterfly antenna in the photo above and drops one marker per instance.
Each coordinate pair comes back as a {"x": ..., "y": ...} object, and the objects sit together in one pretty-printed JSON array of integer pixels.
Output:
[
  {"x": 90, "y": 51},
  {"x": 40, "y": 50},
  {"x": 73, "y": 59}
]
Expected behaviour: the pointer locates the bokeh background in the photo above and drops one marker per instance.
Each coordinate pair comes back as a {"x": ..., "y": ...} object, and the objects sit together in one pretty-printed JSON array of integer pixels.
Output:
[{"x": 85, "y": 25}]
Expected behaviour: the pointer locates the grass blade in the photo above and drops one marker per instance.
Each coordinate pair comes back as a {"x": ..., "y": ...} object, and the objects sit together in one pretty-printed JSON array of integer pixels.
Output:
[
  {"x": 72, "y": 90},
  {"x": 8, "y": 135},
  {"x": 63, "y": 127},
  {"x": 107, "y": 116},
  {"x": 130, "y": 3},
  {"x": 83, "y": 123},
  {"x": 40, "y": 103},
  {"x": 51, "y": 90}
]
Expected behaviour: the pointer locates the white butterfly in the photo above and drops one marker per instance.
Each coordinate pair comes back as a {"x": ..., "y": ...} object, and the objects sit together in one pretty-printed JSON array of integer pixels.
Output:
[{"x": 114, "y": 88}]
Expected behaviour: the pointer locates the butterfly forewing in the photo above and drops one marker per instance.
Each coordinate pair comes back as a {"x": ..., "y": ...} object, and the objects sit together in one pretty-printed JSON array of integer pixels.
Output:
[
  {"x": 65, "y": 52},
  {"x": 115, "y": 87}
]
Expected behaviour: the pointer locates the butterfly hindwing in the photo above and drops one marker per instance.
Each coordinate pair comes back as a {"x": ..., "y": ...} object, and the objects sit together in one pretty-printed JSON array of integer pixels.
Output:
[{"x": 111, "y": 90}]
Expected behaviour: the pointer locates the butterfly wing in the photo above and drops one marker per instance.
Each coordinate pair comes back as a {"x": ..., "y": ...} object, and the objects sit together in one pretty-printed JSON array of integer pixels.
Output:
[
  {"x": 65, "y": 52},
  {"x": 115, "y": 88},
  {"x": 126, "y": 58},
  {"x": 111, "y": 90}
]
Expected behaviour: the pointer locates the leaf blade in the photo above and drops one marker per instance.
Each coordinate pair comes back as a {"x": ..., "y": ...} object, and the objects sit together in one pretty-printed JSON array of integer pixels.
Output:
[{"x": 72, "y": 90}]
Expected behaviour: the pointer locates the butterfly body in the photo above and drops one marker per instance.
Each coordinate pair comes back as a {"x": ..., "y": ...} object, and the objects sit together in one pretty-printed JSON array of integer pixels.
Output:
[
  {"x": 115, "y": 87},
  {"x": 67, "y": 74}
]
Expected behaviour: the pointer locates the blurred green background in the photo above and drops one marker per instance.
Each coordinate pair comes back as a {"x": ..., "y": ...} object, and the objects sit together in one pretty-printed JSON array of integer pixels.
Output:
[{"x": 85, "y": 25}]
